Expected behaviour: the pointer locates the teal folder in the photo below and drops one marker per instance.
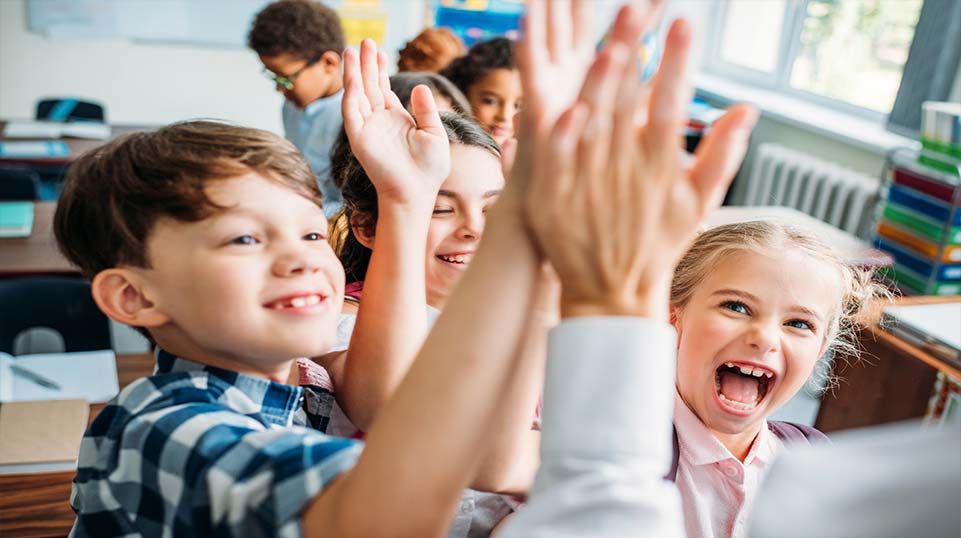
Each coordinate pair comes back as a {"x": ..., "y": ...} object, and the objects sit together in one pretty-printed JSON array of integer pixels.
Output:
[{"x": 16, "y": 219}]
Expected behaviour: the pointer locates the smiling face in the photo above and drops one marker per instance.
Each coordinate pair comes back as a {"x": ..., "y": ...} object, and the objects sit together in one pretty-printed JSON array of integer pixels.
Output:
[
  {"x": 251, "y": 286},
  {"x": 494, "y": 99},
  {"x": 460, "y": 212},
  {"x": 750, "y": 335}
]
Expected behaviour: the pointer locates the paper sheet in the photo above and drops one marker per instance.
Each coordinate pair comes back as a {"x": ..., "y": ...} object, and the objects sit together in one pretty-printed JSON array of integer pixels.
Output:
[{"x": 89, "y": 375}]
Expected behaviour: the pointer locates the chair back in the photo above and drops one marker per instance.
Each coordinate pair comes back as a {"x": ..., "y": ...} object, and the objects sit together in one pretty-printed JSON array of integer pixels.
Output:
[
  {"x": 19, "y": 183},
  {"x": 69, "y": 109},
  {"x": 63, "y": 304}
]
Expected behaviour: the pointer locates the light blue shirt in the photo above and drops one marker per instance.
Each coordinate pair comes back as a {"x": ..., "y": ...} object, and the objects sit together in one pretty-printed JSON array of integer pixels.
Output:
[{"x": 314, "y": 130}]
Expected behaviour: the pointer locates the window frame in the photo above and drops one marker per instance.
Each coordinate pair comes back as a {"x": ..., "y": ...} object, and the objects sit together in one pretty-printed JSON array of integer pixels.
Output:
[{"x": 795, "y": 12}]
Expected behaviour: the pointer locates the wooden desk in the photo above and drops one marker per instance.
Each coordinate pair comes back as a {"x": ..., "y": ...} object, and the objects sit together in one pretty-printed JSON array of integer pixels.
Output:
[
  {"x": 893, "y": 381},
  {"x": 849, "y": 248},
  {"x": 38, "y": 504},
  {"x": 38, "y": 253},
  {"x": 77, "y": 146}
]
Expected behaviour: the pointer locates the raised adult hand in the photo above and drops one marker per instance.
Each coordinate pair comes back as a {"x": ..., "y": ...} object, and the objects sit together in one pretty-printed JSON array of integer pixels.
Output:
[{"x": 610, "y": 202}]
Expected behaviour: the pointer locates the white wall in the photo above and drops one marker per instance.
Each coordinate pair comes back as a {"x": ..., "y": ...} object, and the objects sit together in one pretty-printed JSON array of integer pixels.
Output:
[
  {"x": 146, "y": 84},
  {"x": 151, "y": 83}
]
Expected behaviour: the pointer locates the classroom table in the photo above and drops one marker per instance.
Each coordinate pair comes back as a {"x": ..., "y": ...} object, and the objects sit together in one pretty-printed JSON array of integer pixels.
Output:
[
  {"x": 848, "y": 247},
  {"x": 38, "y": 504},
  {"x": 77, "y": 146},
  {"x": 893, "y": 380},
  {"x": 36, "y": 254}
]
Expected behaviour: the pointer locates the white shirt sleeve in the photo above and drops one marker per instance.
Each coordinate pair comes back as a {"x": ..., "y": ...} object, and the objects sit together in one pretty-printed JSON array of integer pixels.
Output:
[{"x": 606, "y": 437}]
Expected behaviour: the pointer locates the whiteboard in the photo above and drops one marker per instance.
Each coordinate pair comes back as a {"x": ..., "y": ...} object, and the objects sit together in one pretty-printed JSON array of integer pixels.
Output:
[
  {"x": 217, "y": 23},
  {"x": 222, "y": 23}
]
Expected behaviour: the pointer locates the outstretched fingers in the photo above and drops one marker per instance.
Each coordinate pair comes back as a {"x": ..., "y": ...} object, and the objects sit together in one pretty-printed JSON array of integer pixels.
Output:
[
  {"x": 370, "y": 72},
  {"x": 669, "y": 93},
  {"x": 425, "y": 111},
  {"x": 355, "y": 106},
  {"x": 720, "y": 153}
]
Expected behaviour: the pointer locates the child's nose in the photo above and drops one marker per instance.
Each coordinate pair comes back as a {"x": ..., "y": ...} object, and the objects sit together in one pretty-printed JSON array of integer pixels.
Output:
[
  {"x": 296, "y": 262},
  {"x": 764, "y": 337},
  {"x": 472, "y": 226}
]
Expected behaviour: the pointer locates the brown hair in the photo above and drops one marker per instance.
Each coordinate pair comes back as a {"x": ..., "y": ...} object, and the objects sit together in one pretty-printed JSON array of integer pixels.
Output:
[
  {"x": 113, "y": 195},
  {"x": 856, "y": 285},
  {"x": 360, "y": 196},
  {"x": 403, "y": 84},
  {"x": 302, "y": 28},
  {"x": 431, "y": 50}
]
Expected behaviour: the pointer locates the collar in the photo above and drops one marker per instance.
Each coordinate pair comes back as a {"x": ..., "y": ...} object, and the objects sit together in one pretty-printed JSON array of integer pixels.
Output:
[
  {"x": 699, "y": 446},
  {"x": 332, "y": 100},
  {"x": 275, "y": 402}
]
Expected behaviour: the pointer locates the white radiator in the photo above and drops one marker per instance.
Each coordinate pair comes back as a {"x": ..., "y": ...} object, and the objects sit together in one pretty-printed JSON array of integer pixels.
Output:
[{"x": 828, "y": 192}]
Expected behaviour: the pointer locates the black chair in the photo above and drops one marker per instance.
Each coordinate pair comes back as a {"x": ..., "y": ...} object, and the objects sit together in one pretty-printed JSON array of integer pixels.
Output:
[
  {"x": 19, "y": 183},
  {"x": 63, "y": 304},
  {"x": 69, "y": 109}
]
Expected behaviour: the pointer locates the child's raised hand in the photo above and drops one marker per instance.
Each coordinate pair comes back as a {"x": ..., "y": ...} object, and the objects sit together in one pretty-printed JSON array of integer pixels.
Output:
[
  {"x": 407, "y": 158},
  {"x": 610, "y": 202}
]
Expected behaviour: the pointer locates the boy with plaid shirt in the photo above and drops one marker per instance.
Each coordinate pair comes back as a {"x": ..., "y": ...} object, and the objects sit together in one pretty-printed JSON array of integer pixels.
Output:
[{"x": 210, "y": 239}]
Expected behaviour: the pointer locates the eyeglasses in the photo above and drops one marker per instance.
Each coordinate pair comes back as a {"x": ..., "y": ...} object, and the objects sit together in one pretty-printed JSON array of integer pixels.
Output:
[{"x": 287, "y": 82}]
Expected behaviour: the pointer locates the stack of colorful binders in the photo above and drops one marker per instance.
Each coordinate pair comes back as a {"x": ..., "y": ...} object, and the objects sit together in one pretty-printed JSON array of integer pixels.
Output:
[{"x": 920, "y": 225}]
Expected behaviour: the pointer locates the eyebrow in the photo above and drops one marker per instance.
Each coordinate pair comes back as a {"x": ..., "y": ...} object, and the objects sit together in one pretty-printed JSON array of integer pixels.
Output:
[
  {"x": 452, "y": 194},
  {"x": 750, "y": 297}
]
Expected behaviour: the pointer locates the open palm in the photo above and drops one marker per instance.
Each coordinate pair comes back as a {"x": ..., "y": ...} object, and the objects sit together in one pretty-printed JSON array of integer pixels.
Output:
[{"x": 406, "y": 157}]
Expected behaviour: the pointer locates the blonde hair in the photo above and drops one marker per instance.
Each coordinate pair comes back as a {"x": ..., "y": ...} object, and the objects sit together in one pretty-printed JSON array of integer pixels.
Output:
[{"x": 857, "y": 285}]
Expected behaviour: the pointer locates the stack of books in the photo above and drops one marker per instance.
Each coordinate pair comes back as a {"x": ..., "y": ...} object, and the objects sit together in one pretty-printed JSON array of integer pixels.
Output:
[
  {"x": 941, "y": 136},
  {"x": 920, "y": 223}
]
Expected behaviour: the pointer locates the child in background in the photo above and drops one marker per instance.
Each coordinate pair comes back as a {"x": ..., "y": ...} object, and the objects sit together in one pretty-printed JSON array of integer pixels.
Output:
[
  {"x": 488, "y": 76},
  {"x": 300, "y": 42},
  {"x": 755, "y": 305},
  {"x": 430, "y": 51}
]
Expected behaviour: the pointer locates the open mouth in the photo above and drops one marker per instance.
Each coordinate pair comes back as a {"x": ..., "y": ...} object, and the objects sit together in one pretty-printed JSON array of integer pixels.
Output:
[
  {"x": 742, "y": 386},
  {"x": 457, "y": 259}
]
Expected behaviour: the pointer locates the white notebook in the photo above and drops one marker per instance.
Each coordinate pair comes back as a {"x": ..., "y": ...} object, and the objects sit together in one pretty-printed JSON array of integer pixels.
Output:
[
  {"x": 941, "y": 321},
  {"x": 88, "y": 375}
]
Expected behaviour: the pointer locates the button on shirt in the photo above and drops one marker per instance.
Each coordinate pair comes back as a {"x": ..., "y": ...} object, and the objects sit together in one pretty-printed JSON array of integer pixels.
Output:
[
  {"x": 716, "y": 489},
  {"x": 197, "y": 450},
  {"x": 314, "y": 130}
]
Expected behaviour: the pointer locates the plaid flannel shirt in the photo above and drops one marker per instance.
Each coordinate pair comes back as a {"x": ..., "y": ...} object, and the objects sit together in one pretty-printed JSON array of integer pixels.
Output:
[{"x": 197, "y": 450}]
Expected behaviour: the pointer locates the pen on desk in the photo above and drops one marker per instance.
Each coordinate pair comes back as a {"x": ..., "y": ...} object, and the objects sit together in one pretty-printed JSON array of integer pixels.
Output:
[{"x": 36, "y": 378}]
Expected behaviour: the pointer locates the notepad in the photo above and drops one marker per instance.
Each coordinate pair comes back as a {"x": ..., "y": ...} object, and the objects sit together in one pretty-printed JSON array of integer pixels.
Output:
[
  {"x": 88, "y": 375},
  {"x": 936, "y": 328},
  {"x": 34, "y": 150},
  {"x": 16, "y": 219}
]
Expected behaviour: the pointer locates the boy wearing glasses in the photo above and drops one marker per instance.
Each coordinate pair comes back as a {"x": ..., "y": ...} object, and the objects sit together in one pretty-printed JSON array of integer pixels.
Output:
[{"x": 299, "y": 42}]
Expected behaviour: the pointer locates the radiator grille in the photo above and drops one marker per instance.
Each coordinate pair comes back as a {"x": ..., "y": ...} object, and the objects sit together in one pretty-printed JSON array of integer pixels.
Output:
[{"x": 826, "y": 191}]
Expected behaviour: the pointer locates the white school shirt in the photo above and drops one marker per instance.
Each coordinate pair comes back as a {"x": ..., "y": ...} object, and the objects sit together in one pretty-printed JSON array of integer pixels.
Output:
[
  {"x": 314, "y": 130},
  {"x": 606, "y": 437},
  {"x": 717, "y": 490}
]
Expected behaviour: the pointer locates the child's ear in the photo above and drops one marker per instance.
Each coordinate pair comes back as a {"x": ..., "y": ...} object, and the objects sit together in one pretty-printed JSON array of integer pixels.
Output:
[
  {"x": 363, "y": 229},
  {"x": 674, "y": 317},
  {"x": 119, "y": 294},
  {"x": 330, "y": 60}
]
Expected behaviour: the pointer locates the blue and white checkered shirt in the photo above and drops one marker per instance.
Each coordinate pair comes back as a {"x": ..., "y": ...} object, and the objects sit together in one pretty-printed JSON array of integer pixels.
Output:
[{"x": 197, "y": 450}]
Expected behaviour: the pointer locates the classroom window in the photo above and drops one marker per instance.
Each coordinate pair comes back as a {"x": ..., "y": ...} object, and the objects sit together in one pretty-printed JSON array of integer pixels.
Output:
[{"x": 846, "y": 54}]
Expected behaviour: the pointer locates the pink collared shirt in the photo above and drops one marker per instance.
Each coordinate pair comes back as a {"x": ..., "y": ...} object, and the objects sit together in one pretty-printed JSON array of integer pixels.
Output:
[{"x": 717, "y": 490}]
